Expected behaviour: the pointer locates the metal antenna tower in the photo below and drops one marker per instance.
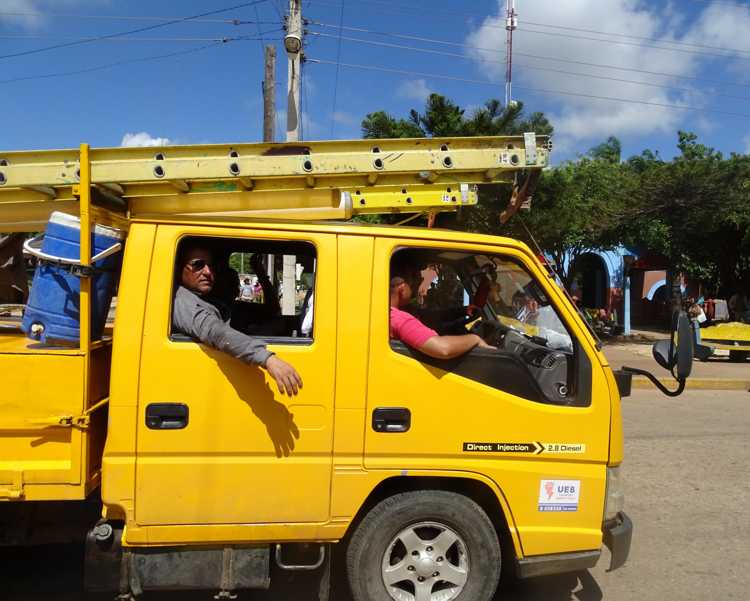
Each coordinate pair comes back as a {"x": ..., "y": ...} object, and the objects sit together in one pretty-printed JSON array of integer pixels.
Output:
[{"x": 511, "y": 23}]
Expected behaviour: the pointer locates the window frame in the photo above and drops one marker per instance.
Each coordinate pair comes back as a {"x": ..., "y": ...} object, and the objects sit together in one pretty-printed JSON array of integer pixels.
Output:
[
  {"x": 297, "y": 341},
  {"x": 579, "y": 372}
]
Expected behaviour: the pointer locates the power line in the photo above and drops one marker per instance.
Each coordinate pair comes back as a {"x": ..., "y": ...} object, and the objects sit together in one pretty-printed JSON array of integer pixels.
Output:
[
  {"x": 725, "y": 2},
  {"x": 398, "y": 46},
  {"x": 262, "y": 42},
  {"x": 638, "y": 37},
  {"x": 217, "y": 42},
  {"x": 43, "y": 14},
  {"x": 527, "y": 55},
  {"x": 278, "y": 10},
  {"x": 536, "y": 90},
  {"x": 451, "y": 14},
  {"x": 634, "y": 70},
  {"x": 124, "y": 33},
  {"x": 119, "y": 39},
  {"x": 630, "y": 81},
  {"x": 336, "y": 77},
  {"x": 523, "y": 65},
  {"x": 116, "y": 64},
  {"x": 624, "y": 43}
]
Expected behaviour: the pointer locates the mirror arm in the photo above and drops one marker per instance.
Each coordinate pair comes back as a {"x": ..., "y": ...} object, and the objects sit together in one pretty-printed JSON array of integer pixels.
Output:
[{"x": 655, "y": 381}]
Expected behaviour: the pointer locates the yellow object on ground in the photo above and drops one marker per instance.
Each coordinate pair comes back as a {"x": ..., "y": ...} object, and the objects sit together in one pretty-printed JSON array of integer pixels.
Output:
[{"x": 732, "y": 336}]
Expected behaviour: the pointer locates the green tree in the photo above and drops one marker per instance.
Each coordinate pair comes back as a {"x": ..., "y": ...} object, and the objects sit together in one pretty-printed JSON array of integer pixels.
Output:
[
  {"x": 442, "y": 117},
  {"x": 382, "y": 125},
  {"x": 695, "y": 210},
  {"x": 577, "y": 206},
  {"x": 609, "y": 151}
]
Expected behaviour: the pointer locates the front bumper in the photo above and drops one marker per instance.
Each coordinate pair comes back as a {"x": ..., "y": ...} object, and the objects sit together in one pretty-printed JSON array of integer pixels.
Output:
[{"x": 617, "y": 536}]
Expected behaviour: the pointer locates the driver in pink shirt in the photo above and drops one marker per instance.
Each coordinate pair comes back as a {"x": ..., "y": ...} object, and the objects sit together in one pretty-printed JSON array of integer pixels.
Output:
[{"x": 405, "y": 279}]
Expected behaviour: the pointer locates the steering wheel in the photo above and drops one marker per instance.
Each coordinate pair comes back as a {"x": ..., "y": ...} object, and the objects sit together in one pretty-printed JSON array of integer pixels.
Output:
[{"x": 490, "y": 330}]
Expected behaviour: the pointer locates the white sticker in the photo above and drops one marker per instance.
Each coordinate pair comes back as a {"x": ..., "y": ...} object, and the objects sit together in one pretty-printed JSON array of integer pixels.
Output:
[
  {"x": 464, "y": 192},
  {"x": 559, "y": 495}
]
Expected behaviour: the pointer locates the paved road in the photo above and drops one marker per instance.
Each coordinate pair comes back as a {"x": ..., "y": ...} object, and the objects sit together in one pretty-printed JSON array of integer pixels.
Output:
[{"x": 688, "y": 494}]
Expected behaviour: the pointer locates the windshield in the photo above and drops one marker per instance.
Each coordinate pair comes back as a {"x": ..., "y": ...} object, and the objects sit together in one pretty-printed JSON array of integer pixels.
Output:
[
  {"x": 516, "y": 300},
  {"x": 460, "y": 287}
]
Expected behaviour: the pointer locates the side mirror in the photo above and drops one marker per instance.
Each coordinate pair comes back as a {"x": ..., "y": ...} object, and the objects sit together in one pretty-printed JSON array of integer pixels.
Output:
[
  {"x": 675, "y": 355},
  {"x": 685, "y": 342},
  {"x": 677, "y": 352}
]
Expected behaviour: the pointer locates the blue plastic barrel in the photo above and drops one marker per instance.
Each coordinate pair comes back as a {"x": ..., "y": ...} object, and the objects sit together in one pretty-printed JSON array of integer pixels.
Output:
[{"x": 52, "y": 314}]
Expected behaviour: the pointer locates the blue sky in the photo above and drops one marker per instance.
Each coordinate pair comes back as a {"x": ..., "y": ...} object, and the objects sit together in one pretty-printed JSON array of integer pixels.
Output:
[{"x": 213, "y": 94}]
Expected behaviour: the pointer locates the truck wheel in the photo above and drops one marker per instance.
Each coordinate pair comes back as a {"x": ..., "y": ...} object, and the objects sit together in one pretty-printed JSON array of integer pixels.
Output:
[
  {"x": 738, "y": 356},
  {"x": 428, "y": 545}
]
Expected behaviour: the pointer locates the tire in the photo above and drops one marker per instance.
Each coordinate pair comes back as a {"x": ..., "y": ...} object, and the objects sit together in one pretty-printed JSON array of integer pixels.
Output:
[
  {"x": 417, "y": 535},
  {"x": 738, "y": 356}
]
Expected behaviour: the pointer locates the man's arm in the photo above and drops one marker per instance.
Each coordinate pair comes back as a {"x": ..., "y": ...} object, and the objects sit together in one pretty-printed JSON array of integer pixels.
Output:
[
  {"x": 192, "y": 318},
  {"x": 413, "y": 332},
  {"x": 449, "y": 347}
]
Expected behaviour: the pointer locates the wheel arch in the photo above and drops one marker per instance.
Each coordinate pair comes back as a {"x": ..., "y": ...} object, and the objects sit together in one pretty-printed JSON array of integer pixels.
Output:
[{"x": 482, "y": 491}]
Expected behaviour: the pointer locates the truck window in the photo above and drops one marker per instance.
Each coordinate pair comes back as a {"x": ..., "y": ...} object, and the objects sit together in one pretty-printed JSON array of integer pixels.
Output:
[
  {"x": 264, "y": 288},
  {"x": 495, "y": 297}
]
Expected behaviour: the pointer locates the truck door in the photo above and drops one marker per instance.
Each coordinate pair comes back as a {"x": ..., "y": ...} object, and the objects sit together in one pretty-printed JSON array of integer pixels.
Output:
[
  {"x": 496, "y": 415},
  {"x": 217, "y": 443}
]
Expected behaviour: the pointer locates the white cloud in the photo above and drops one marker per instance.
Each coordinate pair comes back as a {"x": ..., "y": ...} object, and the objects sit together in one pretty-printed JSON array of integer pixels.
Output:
[
  {"x": 143, "y": 139},
  {"x": 25, "y": 10},
  {"x": 344, "y": 118},
  {"x": 414, "y": 89},
  {"x": 581, "y": 120},
  {"x": 746, "y": 141}
]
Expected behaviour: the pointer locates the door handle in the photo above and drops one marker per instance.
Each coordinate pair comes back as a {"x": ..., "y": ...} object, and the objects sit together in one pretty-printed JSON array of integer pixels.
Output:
[
  {"x": 391, "y": 419},
  {"x": 166, "y": 416}
]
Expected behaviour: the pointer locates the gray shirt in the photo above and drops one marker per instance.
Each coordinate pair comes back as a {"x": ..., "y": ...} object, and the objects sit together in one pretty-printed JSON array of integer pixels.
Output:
[{"x": 201, "y": 320}]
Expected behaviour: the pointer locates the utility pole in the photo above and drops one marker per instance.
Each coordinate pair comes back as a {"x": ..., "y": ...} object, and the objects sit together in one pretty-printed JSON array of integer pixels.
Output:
[
  {"x": 269, "y": 94},
  {"x": 293, "y": 47},
  {"x": 511, "y": 23}
]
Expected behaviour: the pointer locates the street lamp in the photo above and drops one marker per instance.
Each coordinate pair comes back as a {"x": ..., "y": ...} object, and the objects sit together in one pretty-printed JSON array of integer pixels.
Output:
[{"x": 292, "y": 44}]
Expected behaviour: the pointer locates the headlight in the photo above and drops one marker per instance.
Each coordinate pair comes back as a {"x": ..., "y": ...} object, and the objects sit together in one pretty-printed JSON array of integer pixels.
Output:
[{"x": 615, "y": 493}]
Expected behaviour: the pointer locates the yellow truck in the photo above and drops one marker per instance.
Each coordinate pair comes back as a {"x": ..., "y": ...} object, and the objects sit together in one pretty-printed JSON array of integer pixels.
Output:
[{"x": 183, "y": 467}]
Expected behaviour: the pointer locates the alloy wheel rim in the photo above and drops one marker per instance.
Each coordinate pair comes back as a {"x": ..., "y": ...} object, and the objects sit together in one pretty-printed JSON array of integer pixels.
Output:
[{"x": 426, "y": 561}]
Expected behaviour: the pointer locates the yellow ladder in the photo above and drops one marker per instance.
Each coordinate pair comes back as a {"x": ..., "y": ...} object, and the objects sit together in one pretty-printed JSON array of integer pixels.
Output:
[{"x": 305, "y": 180}]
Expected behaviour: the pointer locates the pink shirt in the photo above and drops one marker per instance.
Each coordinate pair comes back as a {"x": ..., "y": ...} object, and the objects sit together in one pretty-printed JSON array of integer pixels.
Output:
[{"x": 408, "y": 329}]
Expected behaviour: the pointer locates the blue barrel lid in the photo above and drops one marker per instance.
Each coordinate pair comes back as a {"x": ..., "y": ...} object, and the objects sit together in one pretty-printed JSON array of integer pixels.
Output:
[{"x": 74, "y": 222}]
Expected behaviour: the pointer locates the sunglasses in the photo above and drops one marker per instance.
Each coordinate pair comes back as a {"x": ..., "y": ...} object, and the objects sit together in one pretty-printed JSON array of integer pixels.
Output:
[{"x": 197, "y": 265}]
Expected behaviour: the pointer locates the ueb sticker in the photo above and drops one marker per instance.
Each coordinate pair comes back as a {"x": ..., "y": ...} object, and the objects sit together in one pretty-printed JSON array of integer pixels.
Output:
[{"x": 559, "y": 495}]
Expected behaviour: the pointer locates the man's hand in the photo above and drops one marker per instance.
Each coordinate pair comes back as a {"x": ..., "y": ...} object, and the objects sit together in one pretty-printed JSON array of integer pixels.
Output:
[
  {"x": 483, "y": 344},
  {"x": 287, "y": 378},
  {"x": 449, "y": 347}
]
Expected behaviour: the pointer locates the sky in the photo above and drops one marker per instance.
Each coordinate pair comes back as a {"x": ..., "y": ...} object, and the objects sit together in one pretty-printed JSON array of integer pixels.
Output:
[{"x": 634, "y": 69}]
